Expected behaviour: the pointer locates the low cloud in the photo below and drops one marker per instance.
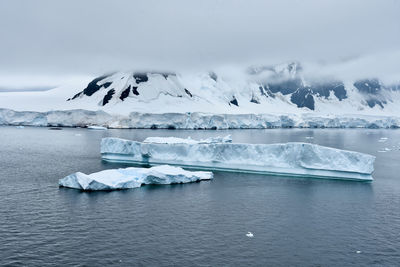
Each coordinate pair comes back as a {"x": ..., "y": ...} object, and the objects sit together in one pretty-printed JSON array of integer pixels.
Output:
[{"x": 56, "y": 39}]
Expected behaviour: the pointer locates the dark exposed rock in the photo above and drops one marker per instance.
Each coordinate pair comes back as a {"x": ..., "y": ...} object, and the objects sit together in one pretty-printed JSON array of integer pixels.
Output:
[
  {"x": 213, "y": 75},
  {"x": 285, "y": 87},
  {"x": 324, "y": 89},
  {"x": 188, "y": 92},
  {"x": 107, "y": 84},
  {"x": 368, "y": 86},
  {"x": 140, "y": 77},
  {"x": 234, "y": 101},
  {"x": 371, "y": 88},
  {"x": 75, "y": 96},
  {"x": 254, "y": 100},
  {"x": 134, "y": 90},
  {"x": 303, "y": 98},
  {"x": 372, "y": 102},
  {"x": 395, "y": 87},
  {"x": 125, "y": 93},
  {"x": 92, "y": 87},
  {"x": 264, "y": 90},
  {"x": 108, "y": 96}
]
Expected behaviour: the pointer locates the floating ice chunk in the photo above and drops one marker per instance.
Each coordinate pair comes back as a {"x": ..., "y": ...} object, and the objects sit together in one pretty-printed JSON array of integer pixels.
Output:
[
  {"x": 249, "y": 234},
  {"x": 309, "y": 137},
  {"x": 382, "y": 139},
  {"x": 386, "y": 149},
  {"x": 358, "y": 251},
  {"x": 132, "y": 178},
  {"x": 96, "y": 127},
  {"x": 20, "y": 127},
  {"x": 189, "y": 140},
  {"x": 288, "y": 159}
]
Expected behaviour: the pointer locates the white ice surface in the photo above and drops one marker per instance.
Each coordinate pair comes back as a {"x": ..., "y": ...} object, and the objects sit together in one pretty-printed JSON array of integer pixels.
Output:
[
  {"x": 82, "y": 118},
  {"x": 96, "y": 127},
  {"x": 176, "y": 140},
  {"x": 132, "y": 178},
  {"x": 292, "y": 159}
]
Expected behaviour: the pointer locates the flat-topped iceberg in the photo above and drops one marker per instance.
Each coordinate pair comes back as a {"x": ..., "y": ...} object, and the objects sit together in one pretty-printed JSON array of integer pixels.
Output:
[
  {"x": 288, "y": 159},
  {"x": 132, "y": 178},
  {"x": 176, "y": 140}
]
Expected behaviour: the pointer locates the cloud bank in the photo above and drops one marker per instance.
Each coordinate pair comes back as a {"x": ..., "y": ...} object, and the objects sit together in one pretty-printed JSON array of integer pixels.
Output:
[{"x": 56, "y": 38}]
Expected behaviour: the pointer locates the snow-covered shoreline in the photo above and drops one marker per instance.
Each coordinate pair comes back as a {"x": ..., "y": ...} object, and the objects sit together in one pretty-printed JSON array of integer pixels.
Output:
[{"x": 194, "y": 120}]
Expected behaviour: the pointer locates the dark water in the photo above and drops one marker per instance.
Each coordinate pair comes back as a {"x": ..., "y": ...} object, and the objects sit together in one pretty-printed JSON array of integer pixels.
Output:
[{"x": 296, "y": 222}]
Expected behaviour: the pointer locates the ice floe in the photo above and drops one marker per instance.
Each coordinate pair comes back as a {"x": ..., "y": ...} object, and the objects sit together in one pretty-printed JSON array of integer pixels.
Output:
[{"x": 132, "y": 178}]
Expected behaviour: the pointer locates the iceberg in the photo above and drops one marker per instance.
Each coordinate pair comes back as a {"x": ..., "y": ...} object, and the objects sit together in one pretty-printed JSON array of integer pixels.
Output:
[
  {"x": 287, "y": 159},
  {"x": 96, "y": 127},
  {"x": 128, "y": 178},
  {"x": 189, "y": 140}
]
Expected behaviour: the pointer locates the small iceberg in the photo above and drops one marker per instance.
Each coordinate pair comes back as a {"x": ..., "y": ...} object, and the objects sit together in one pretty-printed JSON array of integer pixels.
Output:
[
  {"x": 96, "y": 127},
  {"x": 128, "y": 178},
  {"x": 249, "y": 234},
  {"x": 287, "y": 159}
]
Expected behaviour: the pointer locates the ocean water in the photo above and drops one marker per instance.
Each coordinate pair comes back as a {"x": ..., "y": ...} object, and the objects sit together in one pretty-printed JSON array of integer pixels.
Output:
[{"x": 295, "y": 222}]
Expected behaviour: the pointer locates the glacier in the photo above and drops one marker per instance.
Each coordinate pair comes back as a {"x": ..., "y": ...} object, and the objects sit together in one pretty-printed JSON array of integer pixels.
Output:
[
  {"x": 192, "y": 120},
  {"x": 287, "y": 159},
  {"x": 128, "y": 178}
]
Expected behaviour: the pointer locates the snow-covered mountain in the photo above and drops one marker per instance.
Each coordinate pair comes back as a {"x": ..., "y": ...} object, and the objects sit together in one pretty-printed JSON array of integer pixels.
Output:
[
  {"x": 260, "y": 89},
  {"x": 257, "y": 97}
]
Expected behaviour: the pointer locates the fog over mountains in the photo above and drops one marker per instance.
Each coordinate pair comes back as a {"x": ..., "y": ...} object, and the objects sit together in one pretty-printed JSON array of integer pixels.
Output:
[{"x": 258, "y": 89}]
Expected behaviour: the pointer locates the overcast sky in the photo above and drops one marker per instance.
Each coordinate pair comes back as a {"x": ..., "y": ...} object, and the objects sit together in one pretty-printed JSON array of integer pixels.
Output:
[{"x": 76, "y": 37}]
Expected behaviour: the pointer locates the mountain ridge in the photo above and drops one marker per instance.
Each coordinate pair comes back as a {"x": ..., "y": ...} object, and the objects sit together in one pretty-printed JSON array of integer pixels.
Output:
[{"x": 259, "y": 85}]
